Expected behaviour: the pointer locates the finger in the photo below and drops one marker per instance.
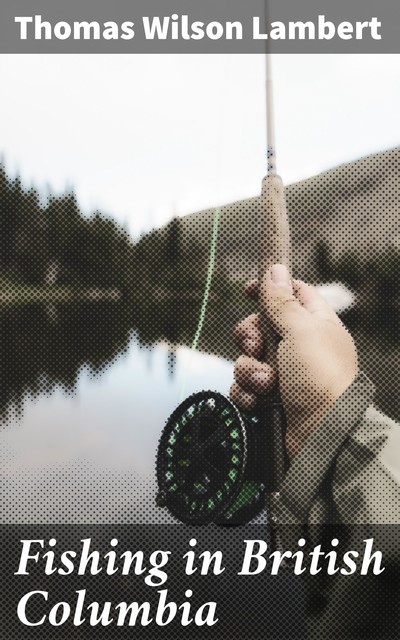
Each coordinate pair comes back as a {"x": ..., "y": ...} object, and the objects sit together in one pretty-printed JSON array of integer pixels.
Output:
[
  {"x": 313, "y": 301},
  {"x": 251, "y": 289},
  {"x": 243, "y": 398},
  {"x": 253, "y": 375},
  {"x": 248, "y": 336},
  {"x": 280, "y": 303}
]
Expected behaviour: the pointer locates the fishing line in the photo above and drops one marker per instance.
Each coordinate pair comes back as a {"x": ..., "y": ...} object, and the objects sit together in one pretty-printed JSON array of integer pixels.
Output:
[
  {"x": 210, "y": 272},
  {"x": 271, "y": 168},
  {"x": 207, "y": 289},
  {"x": 213, "y": 245}
]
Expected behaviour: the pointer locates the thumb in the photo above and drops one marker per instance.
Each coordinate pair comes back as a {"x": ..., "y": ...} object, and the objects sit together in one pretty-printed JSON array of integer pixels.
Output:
[
  {"x": 312, "y": 300},
  {"x": 279, "y": 302}
]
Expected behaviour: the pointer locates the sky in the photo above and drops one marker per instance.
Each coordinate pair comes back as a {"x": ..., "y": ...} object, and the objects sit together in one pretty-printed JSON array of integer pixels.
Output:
[{"x": 146, "y": 137}]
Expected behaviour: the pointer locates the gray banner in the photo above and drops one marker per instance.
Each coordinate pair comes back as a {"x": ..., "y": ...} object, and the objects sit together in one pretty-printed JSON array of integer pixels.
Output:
[{"x": 190, "y": 26}]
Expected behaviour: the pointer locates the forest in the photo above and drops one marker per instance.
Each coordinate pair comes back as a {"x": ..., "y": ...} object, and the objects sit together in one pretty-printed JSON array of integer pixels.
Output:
[
  {"x": 53, "y": 242},
  {"x": 53, "y": 249},
  {"x": 45, "y": 245}
]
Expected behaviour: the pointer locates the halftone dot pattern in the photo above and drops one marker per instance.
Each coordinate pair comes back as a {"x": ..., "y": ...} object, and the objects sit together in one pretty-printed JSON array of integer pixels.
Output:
[{"x": 76, "y": 291}]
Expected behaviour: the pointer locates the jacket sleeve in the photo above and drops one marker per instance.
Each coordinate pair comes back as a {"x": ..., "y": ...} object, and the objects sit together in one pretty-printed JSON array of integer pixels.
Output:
[{"x": 349, "y": 469}]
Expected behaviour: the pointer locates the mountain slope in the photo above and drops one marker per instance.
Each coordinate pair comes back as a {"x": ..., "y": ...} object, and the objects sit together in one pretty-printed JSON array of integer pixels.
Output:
[{"x": 353, "y": 208}]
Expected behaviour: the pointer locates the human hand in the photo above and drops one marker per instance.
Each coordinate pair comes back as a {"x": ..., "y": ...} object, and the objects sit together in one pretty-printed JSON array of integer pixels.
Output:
[{"x": 316, "y": 358}]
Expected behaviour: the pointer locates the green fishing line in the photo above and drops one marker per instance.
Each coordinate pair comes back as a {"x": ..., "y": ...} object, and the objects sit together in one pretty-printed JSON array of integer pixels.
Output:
[{"x": 207, "y": 288}]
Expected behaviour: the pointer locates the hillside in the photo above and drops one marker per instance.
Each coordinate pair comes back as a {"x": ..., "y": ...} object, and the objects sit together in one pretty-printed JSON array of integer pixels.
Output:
[{"x": 352, "y": 210}]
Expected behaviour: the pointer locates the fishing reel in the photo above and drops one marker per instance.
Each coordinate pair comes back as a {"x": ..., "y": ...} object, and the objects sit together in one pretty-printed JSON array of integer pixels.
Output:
[{"x": 212, "y": 462}]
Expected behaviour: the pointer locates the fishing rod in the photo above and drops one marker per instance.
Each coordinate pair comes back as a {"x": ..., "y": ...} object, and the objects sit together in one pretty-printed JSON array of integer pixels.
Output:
[
  {"x": 216, "y": 463},
  {"x": 275, "y": 248}
]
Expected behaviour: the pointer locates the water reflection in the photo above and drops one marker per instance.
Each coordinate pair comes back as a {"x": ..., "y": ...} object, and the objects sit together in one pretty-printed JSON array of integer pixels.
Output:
[
  {"x": 84, "y": 402},
  {"x": 87, "y": 389},
  {"x": 43, "y": 351},
  {"x": 45, "y": 347}
]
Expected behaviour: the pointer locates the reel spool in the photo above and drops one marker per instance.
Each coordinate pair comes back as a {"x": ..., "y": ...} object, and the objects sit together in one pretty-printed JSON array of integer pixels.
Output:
[{"x": 212, "y": 463}]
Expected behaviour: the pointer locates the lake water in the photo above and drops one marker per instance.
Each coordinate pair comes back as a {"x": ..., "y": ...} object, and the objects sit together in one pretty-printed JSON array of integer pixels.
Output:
[
  {"x": 86, "y": 391},
  {"x": 83, "y": 411}
]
